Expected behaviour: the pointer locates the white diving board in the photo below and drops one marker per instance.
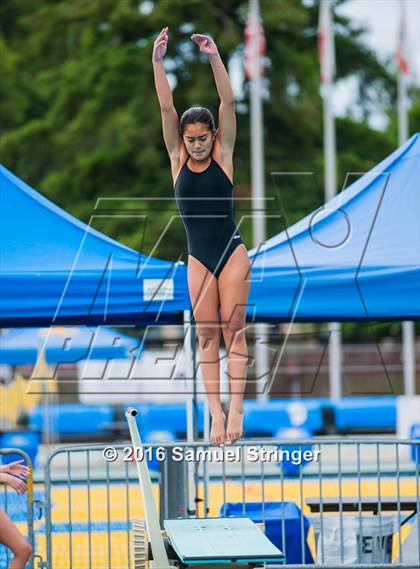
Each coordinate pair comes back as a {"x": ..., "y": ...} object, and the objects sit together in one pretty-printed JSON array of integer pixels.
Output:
[{"x": 225, "y": 540}]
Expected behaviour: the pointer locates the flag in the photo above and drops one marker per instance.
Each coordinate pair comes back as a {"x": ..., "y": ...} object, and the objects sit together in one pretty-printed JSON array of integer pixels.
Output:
[
  {"x": 254, "y": 41},
  {"x": 401, "y": 52},
  {"x": 326, "y": 42}
]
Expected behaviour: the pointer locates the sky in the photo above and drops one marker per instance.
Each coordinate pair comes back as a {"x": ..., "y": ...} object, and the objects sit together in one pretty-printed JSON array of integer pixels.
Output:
[{"x": 381, "y": 19}]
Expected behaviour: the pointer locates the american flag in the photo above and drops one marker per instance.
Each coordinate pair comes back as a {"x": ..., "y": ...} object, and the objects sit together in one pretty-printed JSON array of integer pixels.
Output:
[
  {"x": 254, "y": 42},
  {"x": 401, "y": 52},
  {"x": 326, "y": 42}
]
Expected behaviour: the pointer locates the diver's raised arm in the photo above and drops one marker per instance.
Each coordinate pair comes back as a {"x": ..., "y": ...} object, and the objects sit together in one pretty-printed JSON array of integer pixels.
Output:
[
  {"x": 221, "y": 77},
  {"x": 226, "y": 132},
  {"x": 163, "y": 88},
  {"x": 170, "y": 122}
]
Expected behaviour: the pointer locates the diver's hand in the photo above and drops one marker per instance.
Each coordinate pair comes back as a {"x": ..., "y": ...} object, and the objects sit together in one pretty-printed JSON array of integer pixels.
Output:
[
  {"x": 160, "y": 45},
  {"x": 205, "y": 43}
]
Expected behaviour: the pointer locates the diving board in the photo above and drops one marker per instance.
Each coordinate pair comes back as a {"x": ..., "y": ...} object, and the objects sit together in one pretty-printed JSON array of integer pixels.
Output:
[{"x": 221, "y": 540}]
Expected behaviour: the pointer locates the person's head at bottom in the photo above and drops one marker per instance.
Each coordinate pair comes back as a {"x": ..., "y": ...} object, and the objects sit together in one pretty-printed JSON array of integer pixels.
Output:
[{"x": 198, "y": 132}]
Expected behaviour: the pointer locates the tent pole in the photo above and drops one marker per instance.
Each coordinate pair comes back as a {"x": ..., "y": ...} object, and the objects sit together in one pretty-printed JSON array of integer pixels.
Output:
[
  {"x": 408, "y": 332},
  {"x": 335, "y": 360},
  {"x": 258, "y": 193},
  {"x": 409, "y": 358},
  {"x": 41, "y": 372},
  {"x": 330, "y": 185}
]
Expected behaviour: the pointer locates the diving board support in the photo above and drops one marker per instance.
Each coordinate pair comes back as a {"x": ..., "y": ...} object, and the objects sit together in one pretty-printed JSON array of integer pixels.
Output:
[
  {"x": 191, "y": 390},
  {"x": 160, "y": 557}
]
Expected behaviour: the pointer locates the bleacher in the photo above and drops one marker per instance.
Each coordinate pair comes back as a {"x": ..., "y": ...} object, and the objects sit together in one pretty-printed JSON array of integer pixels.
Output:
[{"x": 350, "y": 415}]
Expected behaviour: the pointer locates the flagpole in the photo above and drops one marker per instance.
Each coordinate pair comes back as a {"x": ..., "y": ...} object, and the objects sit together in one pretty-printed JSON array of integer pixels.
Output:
[
  {"x": 330, "y": 184},
  {"x": 408, "y": 332},
  {"x": 257, "y": 184}
]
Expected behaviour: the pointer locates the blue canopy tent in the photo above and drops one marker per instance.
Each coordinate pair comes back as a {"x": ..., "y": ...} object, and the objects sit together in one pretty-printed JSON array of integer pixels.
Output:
[
  {"x": 66, "y": 344},
  {"x": 55, "y": 269},
  {"x": 356, "y": 258}
]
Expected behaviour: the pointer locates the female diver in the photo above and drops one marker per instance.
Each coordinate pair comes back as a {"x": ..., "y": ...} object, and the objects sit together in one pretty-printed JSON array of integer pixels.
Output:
[{"x": 201, "y": 160}]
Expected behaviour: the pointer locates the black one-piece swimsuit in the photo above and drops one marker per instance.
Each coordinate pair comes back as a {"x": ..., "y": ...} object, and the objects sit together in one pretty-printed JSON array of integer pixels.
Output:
[{"x": 205, "y": 201}]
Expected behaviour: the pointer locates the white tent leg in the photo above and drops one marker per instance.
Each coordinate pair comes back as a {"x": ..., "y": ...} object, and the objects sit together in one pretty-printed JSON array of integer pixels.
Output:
[
  {"x": 409, "y": 358},
  {"x": 334, "y": 360}
]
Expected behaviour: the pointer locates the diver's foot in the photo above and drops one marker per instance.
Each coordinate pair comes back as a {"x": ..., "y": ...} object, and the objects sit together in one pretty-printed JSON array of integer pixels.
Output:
[
  {"x": 234, "y": 425},
  {"x": 218, "y": 429}
]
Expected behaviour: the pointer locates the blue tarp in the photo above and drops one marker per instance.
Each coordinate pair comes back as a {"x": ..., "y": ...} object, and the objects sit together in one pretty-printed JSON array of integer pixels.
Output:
[
  {"x": 66, "y": 344},
  {"x": 55, "y": 269},
  {"x": 166, "y": 416},
  {"x": 361, "y": 413},
  {"x": 73, "y": 418},
  {"x": 266, "y": 418},
  {"x": 281, "y": 519},
  {"x": 356, "y": 258}
]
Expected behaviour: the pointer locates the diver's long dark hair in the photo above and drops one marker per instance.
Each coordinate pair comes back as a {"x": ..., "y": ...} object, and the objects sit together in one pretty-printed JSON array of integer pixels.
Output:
[{"x": 197, "y": 114}]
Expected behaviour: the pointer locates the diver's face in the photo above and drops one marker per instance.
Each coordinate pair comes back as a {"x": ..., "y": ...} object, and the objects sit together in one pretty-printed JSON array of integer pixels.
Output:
[{"x": 198, "y": 140}]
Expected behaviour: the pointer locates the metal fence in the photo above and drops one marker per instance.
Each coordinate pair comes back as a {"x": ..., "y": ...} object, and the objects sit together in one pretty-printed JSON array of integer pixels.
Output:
[
  {"x": 329, "y": 501},
  {"x": 21, "y": 509}
]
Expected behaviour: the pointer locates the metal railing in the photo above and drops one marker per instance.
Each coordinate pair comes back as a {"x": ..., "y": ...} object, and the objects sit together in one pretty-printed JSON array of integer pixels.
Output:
[{"x": 353, "y": 501}]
